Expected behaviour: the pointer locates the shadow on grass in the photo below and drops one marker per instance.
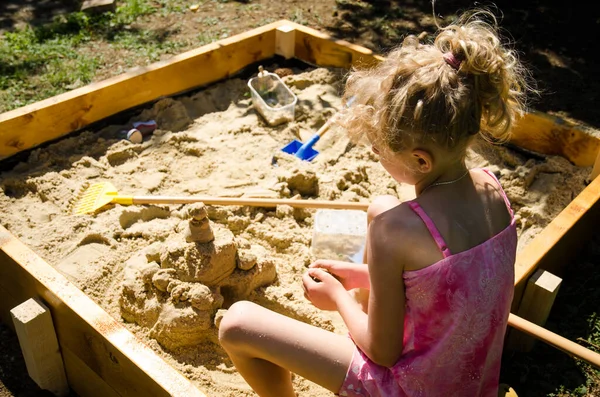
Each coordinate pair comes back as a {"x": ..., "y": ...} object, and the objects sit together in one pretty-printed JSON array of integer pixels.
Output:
[{"x": 33, "y": 12}]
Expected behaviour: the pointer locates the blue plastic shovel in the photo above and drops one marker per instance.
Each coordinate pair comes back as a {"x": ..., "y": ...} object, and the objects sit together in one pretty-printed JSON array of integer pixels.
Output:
[{"x": 305, "y": 151}]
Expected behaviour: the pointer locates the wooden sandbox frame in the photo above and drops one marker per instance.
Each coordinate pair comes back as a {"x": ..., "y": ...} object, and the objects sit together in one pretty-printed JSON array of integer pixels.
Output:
[{"x": 101, "y": 357}]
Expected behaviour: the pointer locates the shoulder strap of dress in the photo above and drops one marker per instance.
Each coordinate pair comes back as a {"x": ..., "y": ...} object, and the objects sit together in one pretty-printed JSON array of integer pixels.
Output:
[
  {"x": 502, "y": 192},
  {"x": 439, "y": 240}
]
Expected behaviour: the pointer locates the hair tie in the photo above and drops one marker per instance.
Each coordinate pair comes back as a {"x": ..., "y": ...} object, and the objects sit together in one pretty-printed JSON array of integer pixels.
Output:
[{"x": 451, "y": 60}]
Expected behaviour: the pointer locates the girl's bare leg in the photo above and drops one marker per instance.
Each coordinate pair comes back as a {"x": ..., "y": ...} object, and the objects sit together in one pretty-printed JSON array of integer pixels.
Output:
[
  {"x": 379, "y": 205},
  {"x": 265, "y": 346}
]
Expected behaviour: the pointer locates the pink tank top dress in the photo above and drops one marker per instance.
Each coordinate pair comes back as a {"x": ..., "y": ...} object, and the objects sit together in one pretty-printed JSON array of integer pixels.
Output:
[{"x": 455, "y": 320}]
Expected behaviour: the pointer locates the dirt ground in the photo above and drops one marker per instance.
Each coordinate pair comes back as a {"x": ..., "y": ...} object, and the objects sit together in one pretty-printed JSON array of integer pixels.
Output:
[
  {"x": 12, "y": 368},
  {"x": 551, "y": 37}
]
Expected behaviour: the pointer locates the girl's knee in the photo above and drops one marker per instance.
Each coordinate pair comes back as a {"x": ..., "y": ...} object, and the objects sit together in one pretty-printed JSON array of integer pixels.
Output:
[
  {"x": 235, "y": 323},
  {"x": 381, "y": 204}
]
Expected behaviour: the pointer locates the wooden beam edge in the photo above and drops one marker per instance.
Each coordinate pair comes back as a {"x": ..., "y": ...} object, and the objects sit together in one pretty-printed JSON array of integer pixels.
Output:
[
  {"x": 551, "y": 135},
  {"x": 63, "y": 293},
  {"x": 83, "y": 379},
  {"x": 321, "y": 49}
]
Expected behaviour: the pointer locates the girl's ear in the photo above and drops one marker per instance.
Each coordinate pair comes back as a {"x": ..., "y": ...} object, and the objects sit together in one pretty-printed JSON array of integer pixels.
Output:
[{"x": 423, "y": 160}]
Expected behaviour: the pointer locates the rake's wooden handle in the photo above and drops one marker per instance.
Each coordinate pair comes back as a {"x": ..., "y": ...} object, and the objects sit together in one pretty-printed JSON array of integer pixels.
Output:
[
  {"x": 253, "y": 202},
  {"x": 325, "y": 127},
  {"x": 555, "y": 340}
]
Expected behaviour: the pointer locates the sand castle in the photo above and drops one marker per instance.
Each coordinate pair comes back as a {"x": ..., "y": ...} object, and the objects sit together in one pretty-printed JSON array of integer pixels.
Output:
[{"x": 176, "y": 288}]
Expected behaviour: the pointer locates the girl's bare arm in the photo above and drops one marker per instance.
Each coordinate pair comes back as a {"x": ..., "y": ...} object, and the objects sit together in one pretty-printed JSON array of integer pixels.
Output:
[{"x": 380, "y": 334}]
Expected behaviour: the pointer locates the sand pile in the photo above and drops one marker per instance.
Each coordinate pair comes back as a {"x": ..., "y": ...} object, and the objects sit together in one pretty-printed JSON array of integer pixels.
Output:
[
  {"x": 175, "y": 288},
  {"x": 142, "y": 264}
]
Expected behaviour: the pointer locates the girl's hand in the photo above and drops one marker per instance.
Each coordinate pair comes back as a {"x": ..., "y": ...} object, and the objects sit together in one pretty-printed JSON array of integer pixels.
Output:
[
  {"x": 351, "y": 275},
  {"x": 322, "y": 289}
]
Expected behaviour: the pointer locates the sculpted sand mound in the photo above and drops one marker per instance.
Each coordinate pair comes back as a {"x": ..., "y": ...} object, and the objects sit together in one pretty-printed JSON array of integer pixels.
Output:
[{"x": 175, "y": 288}]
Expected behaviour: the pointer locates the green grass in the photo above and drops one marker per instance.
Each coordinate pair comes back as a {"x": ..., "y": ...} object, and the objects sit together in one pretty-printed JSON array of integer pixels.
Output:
[
  {"x": 43, "y": 61},
  {"x": 298, "y": 17}
]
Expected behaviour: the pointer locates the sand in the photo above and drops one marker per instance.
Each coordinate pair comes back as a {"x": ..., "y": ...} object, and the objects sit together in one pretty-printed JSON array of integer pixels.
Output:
[{"x": 135, "y": 261}]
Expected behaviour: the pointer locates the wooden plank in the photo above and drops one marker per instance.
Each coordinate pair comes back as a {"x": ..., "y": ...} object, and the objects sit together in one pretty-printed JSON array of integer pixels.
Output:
[
  {"x": 39, "y": 346},
  {"x": 552, "y": 135},
  {"x": 32, "y": 125},
  {"x": 538, "y": 298},
  {"x": 83, "y": 379},
  {"x": 557, "y": 245},
  {"x": 98, "y": 341},
  {"x": 320, "y": 49}
]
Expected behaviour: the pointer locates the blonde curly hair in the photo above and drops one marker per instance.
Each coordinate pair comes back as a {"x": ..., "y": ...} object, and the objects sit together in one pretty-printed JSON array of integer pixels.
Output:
[{"x": 463, "y": 84}]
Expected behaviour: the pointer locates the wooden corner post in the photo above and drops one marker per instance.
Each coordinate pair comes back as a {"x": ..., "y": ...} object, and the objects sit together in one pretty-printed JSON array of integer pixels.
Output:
[
  {"x": 285, "y": 41},
  {"x": 39, "y": 345},
  {"x": 101, "y": 357},
  {"x": 537, "y": 301}
]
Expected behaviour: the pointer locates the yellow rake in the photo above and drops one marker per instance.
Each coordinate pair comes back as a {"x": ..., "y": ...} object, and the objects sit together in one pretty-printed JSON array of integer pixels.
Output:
[{"x": 98, "y": 195}]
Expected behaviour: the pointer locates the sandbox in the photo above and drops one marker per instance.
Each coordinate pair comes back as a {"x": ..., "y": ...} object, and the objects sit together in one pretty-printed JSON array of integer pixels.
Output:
[{"x": 135, "y": 263}]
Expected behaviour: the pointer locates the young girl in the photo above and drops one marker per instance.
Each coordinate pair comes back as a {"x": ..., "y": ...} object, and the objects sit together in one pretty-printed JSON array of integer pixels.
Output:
[{"x": 439, "y": 268}]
